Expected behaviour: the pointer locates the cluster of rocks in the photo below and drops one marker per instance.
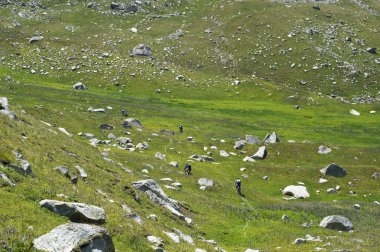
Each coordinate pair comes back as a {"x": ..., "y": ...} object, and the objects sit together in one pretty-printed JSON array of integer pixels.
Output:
[{"x": 76, "y": 235}]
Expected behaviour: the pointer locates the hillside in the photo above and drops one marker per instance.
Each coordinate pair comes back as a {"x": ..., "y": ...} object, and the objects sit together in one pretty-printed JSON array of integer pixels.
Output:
[{"x": 74, "y": 75}]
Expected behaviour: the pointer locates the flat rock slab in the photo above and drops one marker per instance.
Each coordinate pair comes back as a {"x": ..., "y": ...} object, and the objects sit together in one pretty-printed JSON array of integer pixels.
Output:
[
  {"x": 128, "y": 123},
  {"x": 296, "y": 191},
  {"x": 76, "y": 212},
  {"x": 334, "y": 170},
  {"x": 75, "y": 237},
  {"x": 336, "y": 222},
  {"x": 155, "y": 193}
]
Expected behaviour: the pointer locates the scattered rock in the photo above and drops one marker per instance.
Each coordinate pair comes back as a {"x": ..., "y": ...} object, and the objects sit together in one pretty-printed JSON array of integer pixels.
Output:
[
  {"x": 159, "y": 156},
  {"x": 239, "y": 145},
  {"x": 248, "y": 159},
  {"x": 323, "y": 150},
  {"x": 375, "y": 175},
  {"x": 331, "y": 190},
  {"x": 141, "y": 50},
  {"x": 357, "y": 206},
  {"x": 76, "y": 212},
  {"x": 157, "y": 195},
  {"x": 271, "y": 138},
  {"x": 296, "y": 191},
  {"x": 4, "y": 177},
  {"x": 128, "y": 123},
  {"x": 63, "y": 130},
  {"x": 336, "y": 222},
  {"x": 252, "y": 139},
  {"x": 72, "y": 236},
  {"x": 174, "y": 237},
  {"x": 354, "y": 112},
  {"x": 4, "y": 109},
  {"x": 106, "y": 126},
  {"x": 135, "y": 217},
  {"x": 300, "y": 241},
  {"x": 371, "y": 50},
  {"x": 35, "y": 39},
  {"x": 63, "y": 170},
  {"x": 333, "y": 170},
  {"x": 79, "y": 86},
  {"x": 223, "y": 153},
  {"x": 174, "y": 164},
  {"x": 260, "y": 154},
  {"x": 206, "y": 182}
]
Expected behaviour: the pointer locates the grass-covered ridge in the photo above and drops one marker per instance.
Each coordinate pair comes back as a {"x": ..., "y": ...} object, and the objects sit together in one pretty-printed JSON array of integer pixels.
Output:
[{"x": 223, "y": 43}]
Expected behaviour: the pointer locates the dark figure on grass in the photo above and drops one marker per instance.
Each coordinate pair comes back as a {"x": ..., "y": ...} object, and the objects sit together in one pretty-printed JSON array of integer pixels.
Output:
[
  {"x": 187, "y": 169},
  {"x": 180, "y": 129},
  {"x": 238, "y": 186}
]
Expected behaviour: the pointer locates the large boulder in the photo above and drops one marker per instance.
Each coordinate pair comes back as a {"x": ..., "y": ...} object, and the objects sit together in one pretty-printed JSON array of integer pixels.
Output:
[
  {"x": 128, "y": 123},
  {"x": 271, "y": 138},
  {"x": 75, "y": 237},
  {"x": 336, "y": 222},
  {"x": 260, "y": 154},
  {"x": 157, "y": 195},
  {"x": 296, "y": 191},
  {"x": 334, "y": 170},
  {"x": 141, "y": 50},
  {"x": 76, "y": 212}
]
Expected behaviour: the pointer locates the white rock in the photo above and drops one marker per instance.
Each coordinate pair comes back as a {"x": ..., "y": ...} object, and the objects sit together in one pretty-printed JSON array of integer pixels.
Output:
[
  {"x": 322, "y": 180},
  {"x": 354, "y": 112},
  {"x": 357, "y": 206},
  {"x": 133, "y": 29},
  {"x": 223, "y": 153},
  {"x": 296, "y": 191},
  {"x": 63, "y": 130},
  {"x": 174, "y": 237},
  {"x": 248, "y": 159}
]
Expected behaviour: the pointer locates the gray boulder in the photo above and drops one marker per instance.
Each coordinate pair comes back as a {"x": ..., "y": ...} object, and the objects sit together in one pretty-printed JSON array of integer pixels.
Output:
[
  {"x": 157, "y": 195},
  {"x": 206, "y": 182},
  {"x": 334, "y": 170},
  {"x": 261, "y": 154},
  {"x": 128, "y": 123},
  {"x": 75, "y": 237},
  {"x": 271, "y": 138},
  {"x": 252, "y": 139},
  {"x": 336, "y": 222},
  {"x": 141, "y": 50},
  {"x": 76, "y": 212},
  {"x": 79, "y": 86},
  {"x": 23, "y": 168}
]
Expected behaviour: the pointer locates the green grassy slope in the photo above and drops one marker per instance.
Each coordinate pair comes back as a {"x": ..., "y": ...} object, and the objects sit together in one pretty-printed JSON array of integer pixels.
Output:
[{"x": 248, "y": 42}]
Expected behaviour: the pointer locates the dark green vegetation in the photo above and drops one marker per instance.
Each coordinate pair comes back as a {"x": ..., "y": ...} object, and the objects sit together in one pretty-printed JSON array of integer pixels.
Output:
[{"x": 255, "y": 42}]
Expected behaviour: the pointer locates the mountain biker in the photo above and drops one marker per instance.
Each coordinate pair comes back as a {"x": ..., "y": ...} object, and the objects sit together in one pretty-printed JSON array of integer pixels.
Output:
[
  {"x": 238, "y": 185},
  {"x": 187, "y": 169}
]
